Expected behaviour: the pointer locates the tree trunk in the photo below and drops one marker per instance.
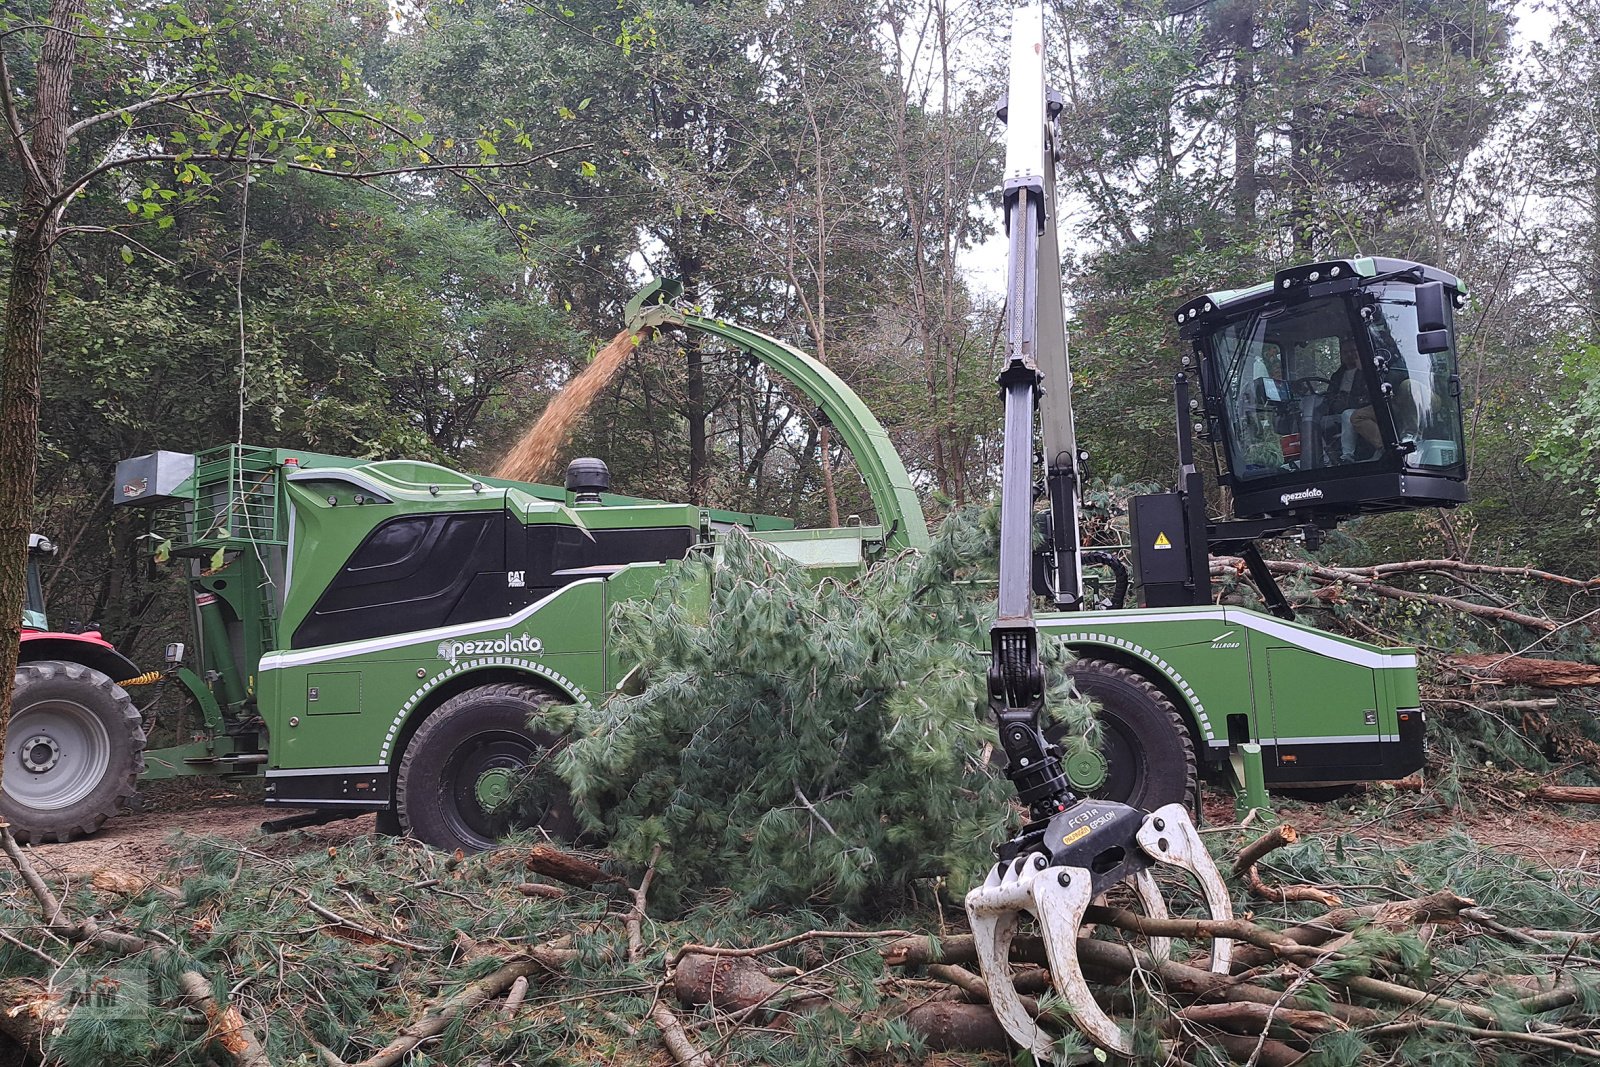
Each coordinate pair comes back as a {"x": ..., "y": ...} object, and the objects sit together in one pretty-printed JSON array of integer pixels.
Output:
[
  {"x": 1300, "y": 190},
  {"x": 1244, "y": 120},
  {"x": 37, "y": 223}
]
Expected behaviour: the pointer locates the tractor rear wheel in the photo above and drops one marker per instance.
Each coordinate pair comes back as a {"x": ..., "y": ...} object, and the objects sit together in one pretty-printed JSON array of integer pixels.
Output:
[
  {"x": 74, "y": 752},
  {"x": 1148, "y": 751},
  {"x": 480, "y": 767}
]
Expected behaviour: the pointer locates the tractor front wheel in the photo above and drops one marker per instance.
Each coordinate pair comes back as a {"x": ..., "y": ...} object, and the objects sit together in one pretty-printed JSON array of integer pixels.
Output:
[
  {"x": 479, "y": 767},
  {"x": 1148, "y": 752},
  {"x": 74, "y": 752}
]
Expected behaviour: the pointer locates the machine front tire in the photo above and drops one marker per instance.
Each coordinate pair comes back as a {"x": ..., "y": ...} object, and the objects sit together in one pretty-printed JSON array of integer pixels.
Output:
[
  {"x": 74, "y": 752},
  {"x": 475, "y": 743},
  {"x": 1148, "y": 751}
]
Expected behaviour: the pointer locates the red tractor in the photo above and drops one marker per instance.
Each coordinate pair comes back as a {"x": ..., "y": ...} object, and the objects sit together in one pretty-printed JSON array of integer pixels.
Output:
[{"x": 75, "y": 745}]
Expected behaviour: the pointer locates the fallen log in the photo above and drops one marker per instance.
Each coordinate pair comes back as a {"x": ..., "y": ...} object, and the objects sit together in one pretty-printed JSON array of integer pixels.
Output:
[
  {"x": 957, "y": 1026},
  {"x": 1566, "y": 794},
  {"x": 565, "y": 867},
  {"x": 31, "y": 1014},
  {"x": 736, "y": 984},
  {"x": 1264, "y": 1052},
  {"x": 1526, "y": 670},
  {"x": 1252, "y": 1018}
]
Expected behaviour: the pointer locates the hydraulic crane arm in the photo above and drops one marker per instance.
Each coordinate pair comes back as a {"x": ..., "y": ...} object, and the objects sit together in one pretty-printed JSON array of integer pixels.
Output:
[
  {"x": 1035, "y": 363},
  {"x": 1072, "y": 850}
]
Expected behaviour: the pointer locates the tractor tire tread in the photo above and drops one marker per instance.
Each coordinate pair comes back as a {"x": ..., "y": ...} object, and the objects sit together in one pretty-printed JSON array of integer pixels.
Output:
[
  {"x": 86, "y": 823},
  {"x": 1088, "y": 666},
  {"x": 534, "y": 695}
]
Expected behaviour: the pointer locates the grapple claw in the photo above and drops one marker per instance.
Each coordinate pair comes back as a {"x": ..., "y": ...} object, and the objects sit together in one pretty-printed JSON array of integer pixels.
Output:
[
  {"x": 1058, "y": 895},
  {"x": 1168, "y": 837}
]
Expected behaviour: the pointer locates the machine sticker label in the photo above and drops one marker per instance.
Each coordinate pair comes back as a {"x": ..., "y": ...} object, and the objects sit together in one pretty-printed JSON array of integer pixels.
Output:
[
  {"x": 205, "y": 600},
  {"x": 1221, "y": 641},
  {"x": 1077, "y": 835},
  {"x": 137, "y": 487},
  {"x": 516, "y": 579},
  {"x": 1162, "y": 541},
  {"x": 450, "y": 651},
  {"x": 1301, "y": 496}
]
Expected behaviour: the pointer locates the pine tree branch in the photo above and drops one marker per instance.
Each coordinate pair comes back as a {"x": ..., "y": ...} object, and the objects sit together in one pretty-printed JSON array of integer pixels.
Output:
[
  {"x": 438, "y": 1018},
  {"x": 1275, "y": 838},
  {"x": 1340, "y": 575},
  {"x": 227, "y": 1031},
  {"x": 362, "y": 929},
  {"x": 774, "y": 946},
  {"x": 1482, "y": 1034},
  {"x": 673, "y": 1035}
]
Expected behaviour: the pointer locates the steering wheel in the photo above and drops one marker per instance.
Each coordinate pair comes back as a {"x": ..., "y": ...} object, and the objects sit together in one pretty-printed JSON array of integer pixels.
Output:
[{"x": 1307, "y": 386}]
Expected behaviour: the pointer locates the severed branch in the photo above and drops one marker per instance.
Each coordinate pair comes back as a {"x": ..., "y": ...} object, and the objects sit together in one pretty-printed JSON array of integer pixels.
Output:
[
  {"x": 565, "y": 867},
  {"x": 809, "y": 935},
  {"x": 1244, "y": 866},
  {"x": 538, "y": 960},
  {"x": 1526, "y": 670},
  {"x": 227, "y": 1031},
  {"x": 362, "y": 929},
  {"x": 684, "y": 1051},
  {"x": 1354, "y": 577},
  {"x": 1275, "y": 838}
]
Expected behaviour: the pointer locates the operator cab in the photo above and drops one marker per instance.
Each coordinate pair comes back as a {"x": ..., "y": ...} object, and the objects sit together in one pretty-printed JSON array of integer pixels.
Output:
[{"x": 1333, "y": 390}]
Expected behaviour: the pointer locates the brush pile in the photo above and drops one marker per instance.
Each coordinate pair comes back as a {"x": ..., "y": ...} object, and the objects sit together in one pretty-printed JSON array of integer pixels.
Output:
[{"x": 380, "y": 952}]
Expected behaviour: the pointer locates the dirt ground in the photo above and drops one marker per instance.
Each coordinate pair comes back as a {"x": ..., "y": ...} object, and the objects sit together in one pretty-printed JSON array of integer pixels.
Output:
[{"x": 141, "y": 842}]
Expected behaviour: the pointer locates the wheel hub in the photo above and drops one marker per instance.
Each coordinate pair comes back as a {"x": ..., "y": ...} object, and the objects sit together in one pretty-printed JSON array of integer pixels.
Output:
[
  {"x": 39, "y": 753},
  {"x": 493, "y": 788},
  {"x": 1086, "y": 771},
  {"x": 63, "y": 750}
]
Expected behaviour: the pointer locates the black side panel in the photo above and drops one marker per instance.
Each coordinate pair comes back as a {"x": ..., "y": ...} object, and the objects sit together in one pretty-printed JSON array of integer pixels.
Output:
[
  {"x": 551, "y": 550},
  {"x": 414, "y": 573},
  {"x": 641, "y": 546},
  {"x": 354, "y": 792}
]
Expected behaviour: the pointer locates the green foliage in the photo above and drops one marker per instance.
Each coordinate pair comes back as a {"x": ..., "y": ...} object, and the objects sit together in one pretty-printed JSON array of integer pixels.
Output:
[
  {"x": 1568, "y": 450},
  {"x": 804, "y": 740}
]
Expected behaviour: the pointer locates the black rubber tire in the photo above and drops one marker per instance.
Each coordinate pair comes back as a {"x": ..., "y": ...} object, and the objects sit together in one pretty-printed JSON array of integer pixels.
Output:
[
  {"x": 1148, "y": 750},
  {"x": 101, "y": 701},
  {"x": 490, "y": 726}
]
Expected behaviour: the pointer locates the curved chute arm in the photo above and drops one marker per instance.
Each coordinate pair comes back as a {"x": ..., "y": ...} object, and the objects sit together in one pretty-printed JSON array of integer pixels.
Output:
[{"x": 885, "y": 475}]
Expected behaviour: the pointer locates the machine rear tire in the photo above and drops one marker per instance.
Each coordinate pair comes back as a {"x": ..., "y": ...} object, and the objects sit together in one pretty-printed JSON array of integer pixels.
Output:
[
  {"x": 472, "y": 738},
  {"x": 1147, "y": 746},
  {"x": 74, "y": 752}
]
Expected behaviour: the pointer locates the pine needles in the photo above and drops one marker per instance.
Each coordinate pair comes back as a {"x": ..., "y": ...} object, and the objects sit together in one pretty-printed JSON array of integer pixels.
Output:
[{"x": 802, "y": 740}]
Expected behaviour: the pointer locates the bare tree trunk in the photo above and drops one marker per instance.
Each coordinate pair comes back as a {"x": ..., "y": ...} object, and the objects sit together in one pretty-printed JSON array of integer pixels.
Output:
[
  {"x": 1244, "y": 121},
  {"x": 44, "y": 158}
]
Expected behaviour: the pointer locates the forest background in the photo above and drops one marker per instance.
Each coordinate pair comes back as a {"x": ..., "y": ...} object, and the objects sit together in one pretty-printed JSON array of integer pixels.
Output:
[{"x": 820, "y": 170}]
